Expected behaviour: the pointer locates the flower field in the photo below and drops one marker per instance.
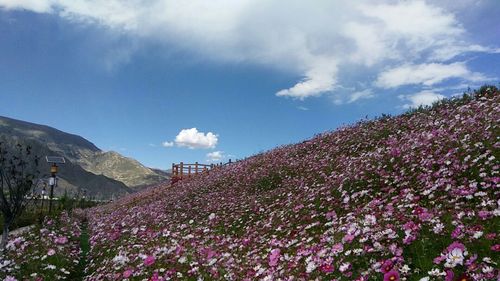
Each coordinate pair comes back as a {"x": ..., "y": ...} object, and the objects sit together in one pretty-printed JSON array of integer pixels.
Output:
[
  {"x": 50, "y": 252},
  {"x": 412, "y": 197}
]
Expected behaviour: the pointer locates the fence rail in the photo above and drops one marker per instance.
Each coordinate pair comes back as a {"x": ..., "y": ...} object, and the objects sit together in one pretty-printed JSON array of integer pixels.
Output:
[{"x": 185, "y": 170}]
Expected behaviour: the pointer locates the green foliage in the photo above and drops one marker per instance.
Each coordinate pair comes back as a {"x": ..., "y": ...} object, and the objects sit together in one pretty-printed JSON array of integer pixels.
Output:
[{"x": 269, "y": 182}]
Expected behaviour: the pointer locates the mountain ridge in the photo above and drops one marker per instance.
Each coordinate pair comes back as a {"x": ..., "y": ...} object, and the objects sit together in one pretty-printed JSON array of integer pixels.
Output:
[{"x": 120, "y": 174}]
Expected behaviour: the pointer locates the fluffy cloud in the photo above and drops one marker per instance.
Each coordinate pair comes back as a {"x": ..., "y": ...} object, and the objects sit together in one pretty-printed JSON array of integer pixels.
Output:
[
  {"x": 315, "y": 40},
  {"x": 193, "y": 139},
  {"x": 215, "y": 156},
  {"x": 423, "y": 98},
  {"x": 426, "y": 74},
  {"x": 168, "y": 144}
]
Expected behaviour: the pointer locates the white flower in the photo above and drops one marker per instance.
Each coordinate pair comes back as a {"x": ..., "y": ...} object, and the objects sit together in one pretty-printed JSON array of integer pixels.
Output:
[
  {"x": 438, "y": 228},
  {"x": 487, "y": 269},
  {"x": 50, "y": 266},
  {"x": 120, "y": 259},
  {"x": 454, "y": 258},
  {"x": 344, "y": 267},
  {"x": 436, "y": 272},
  {"x": 211, "y": 216},
  {"x": 311, "y": 266},
  {"x": 405, "y": 269},
  {"x": 478, "y": 234},
  {"x": 370, "y": 220},
  {"x": 426, "y": 278},
  {"x": 182, "y": 259}
]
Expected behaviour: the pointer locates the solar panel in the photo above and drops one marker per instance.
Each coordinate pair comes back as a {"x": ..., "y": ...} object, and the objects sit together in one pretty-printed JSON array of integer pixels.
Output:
[{"x": 55, "y": 159}]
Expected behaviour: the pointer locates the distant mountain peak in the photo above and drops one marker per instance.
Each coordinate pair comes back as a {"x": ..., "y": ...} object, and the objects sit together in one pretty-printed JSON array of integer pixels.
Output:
[{"x": 84, "y": 154}]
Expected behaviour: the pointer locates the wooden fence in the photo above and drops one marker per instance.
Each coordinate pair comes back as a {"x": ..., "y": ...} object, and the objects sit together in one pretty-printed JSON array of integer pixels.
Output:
[{"x": 184, "y": 170}]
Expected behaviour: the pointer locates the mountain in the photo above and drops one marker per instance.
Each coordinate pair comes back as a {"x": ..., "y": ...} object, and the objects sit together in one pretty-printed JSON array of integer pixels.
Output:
[{"x": 101, "y": 173}]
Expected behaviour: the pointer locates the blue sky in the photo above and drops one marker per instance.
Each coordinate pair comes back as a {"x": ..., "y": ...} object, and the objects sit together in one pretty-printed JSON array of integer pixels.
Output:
[{"x": 137, "y": 76}]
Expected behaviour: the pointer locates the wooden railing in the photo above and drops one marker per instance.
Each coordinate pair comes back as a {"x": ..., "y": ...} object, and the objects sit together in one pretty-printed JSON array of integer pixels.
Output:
[{"x": 184, "y": 170}]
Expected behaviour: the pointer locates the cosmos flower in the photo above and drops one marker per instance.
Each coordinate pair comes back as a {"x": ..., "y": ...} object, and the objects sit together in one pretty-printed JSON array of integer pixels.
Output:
[{"x": 392, "y": 275}]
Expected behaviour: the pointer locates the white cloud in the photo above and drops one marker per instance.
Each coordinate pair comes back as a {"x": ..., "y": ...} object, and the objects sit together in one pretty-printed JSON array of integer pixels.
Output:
[
  {"x": 193, "y": 139},
  {"x": 215, "y": 156},
  {"x": 314, "y": 40},
  {"x": 426, "y": 74},
  {"x": 320, "y": 79},
  {"x": 39, "y": 6},
  {"x": 167, "y": 144},
  {"x": 365, "y": 94},
  {"x": 423, "y": 98},
  {"x": 449, "y": 52}
]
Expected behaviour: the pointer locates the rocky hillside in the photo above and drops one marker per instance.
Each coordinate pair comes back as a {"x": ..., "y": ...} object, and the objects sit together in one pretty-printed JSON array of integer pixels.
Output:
[{"x": 122, "y": 172}]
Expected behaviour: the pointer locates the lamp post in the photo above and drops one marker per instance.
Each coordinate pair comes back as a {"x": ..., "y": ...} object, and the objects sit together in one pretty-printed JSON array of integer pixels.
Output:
[
  {"x": 54, "y": 160},
  {"x": 43, "y": 195},
  {"x": 52, "y": 182}
]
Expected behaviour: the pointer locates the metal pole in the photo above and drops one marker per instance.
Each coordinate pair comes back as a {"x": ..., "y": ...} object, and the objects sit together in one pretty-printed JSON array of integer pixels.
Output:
[{"x": 51, "y": 194}]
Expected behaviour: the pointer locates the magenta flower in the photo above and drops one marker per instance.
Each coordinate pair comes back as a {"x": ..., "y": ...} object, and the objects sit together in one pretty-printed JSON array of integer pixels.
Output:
[
  {"x": 127, "y": 273},
  {"x": 327, "y": 268},
  {"x": 449, "y": 275},
  {"x": 423, "y": 214},
  {"x": 150, "y": 260},
  {"x": 495, "y": 248},
  {"x": 274, "y": 257},
  {"x": 483, "y": 214},
  {"x": 392, "y": 275},
  {"x": 387, "y": 266},
  {"x": 455, "y": 245}
]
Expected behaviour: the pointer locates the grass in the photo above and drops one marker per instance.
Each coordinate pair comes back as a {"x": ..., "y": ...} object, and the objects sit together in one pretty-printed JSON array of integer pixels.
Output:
[{"x": 79, "y": 273}]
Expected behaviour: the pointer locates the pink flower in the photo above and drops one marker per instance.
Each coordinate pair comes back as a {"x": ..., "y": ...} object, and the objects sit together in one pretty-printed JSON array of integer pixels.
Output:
[
  {"x": 422, "y": 214},
  {"x": 449, "y": 275},
  {"x": 274, "y": 257},
  {"x": 51, "y": 252},
  {"x": 61, "y": 240},
  {"x": 327, "y": 268},
  {"x": 438, "y": 260},
  {"x": 155, "y": 277},
  {"x": 150, "y": 260},
  {"x": 387, "y": 266},
  {"x": 338, "y": 248},
  {"x": 127, "y": 273},
  {"x": 348, "y": 238},
  {"x": 331, "y": 215},
  {"x": 483, "y": 214},
  {"x": 392, "y": 275},
  {"x": 495, "y": 248},
  {"x": 455, "y": 245},
  {"x": 457, "y": 233}
]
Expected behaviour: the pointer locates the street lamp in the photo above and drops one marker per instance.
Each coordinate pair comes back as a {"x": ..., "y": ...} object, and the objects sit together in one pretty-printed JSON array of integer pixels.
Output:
[{"x": 54, "y": 160}]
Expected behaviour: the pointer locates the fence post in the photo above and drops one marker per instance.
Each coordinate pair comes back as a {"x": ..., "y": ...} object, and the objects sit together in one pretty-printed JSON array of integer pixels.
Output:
[
  {"x": 189, "y": 171},
  {"x": 173, "y": 170},
  {"x": 195, "y": 168},
  {"x": 182, "y": 169}
]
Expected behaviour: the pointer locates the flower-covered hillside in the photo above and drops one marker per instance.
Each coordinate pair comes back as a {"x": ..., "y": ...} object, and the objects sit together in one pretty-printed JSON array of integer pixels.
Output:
[{"x": 413, "y": 197}]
